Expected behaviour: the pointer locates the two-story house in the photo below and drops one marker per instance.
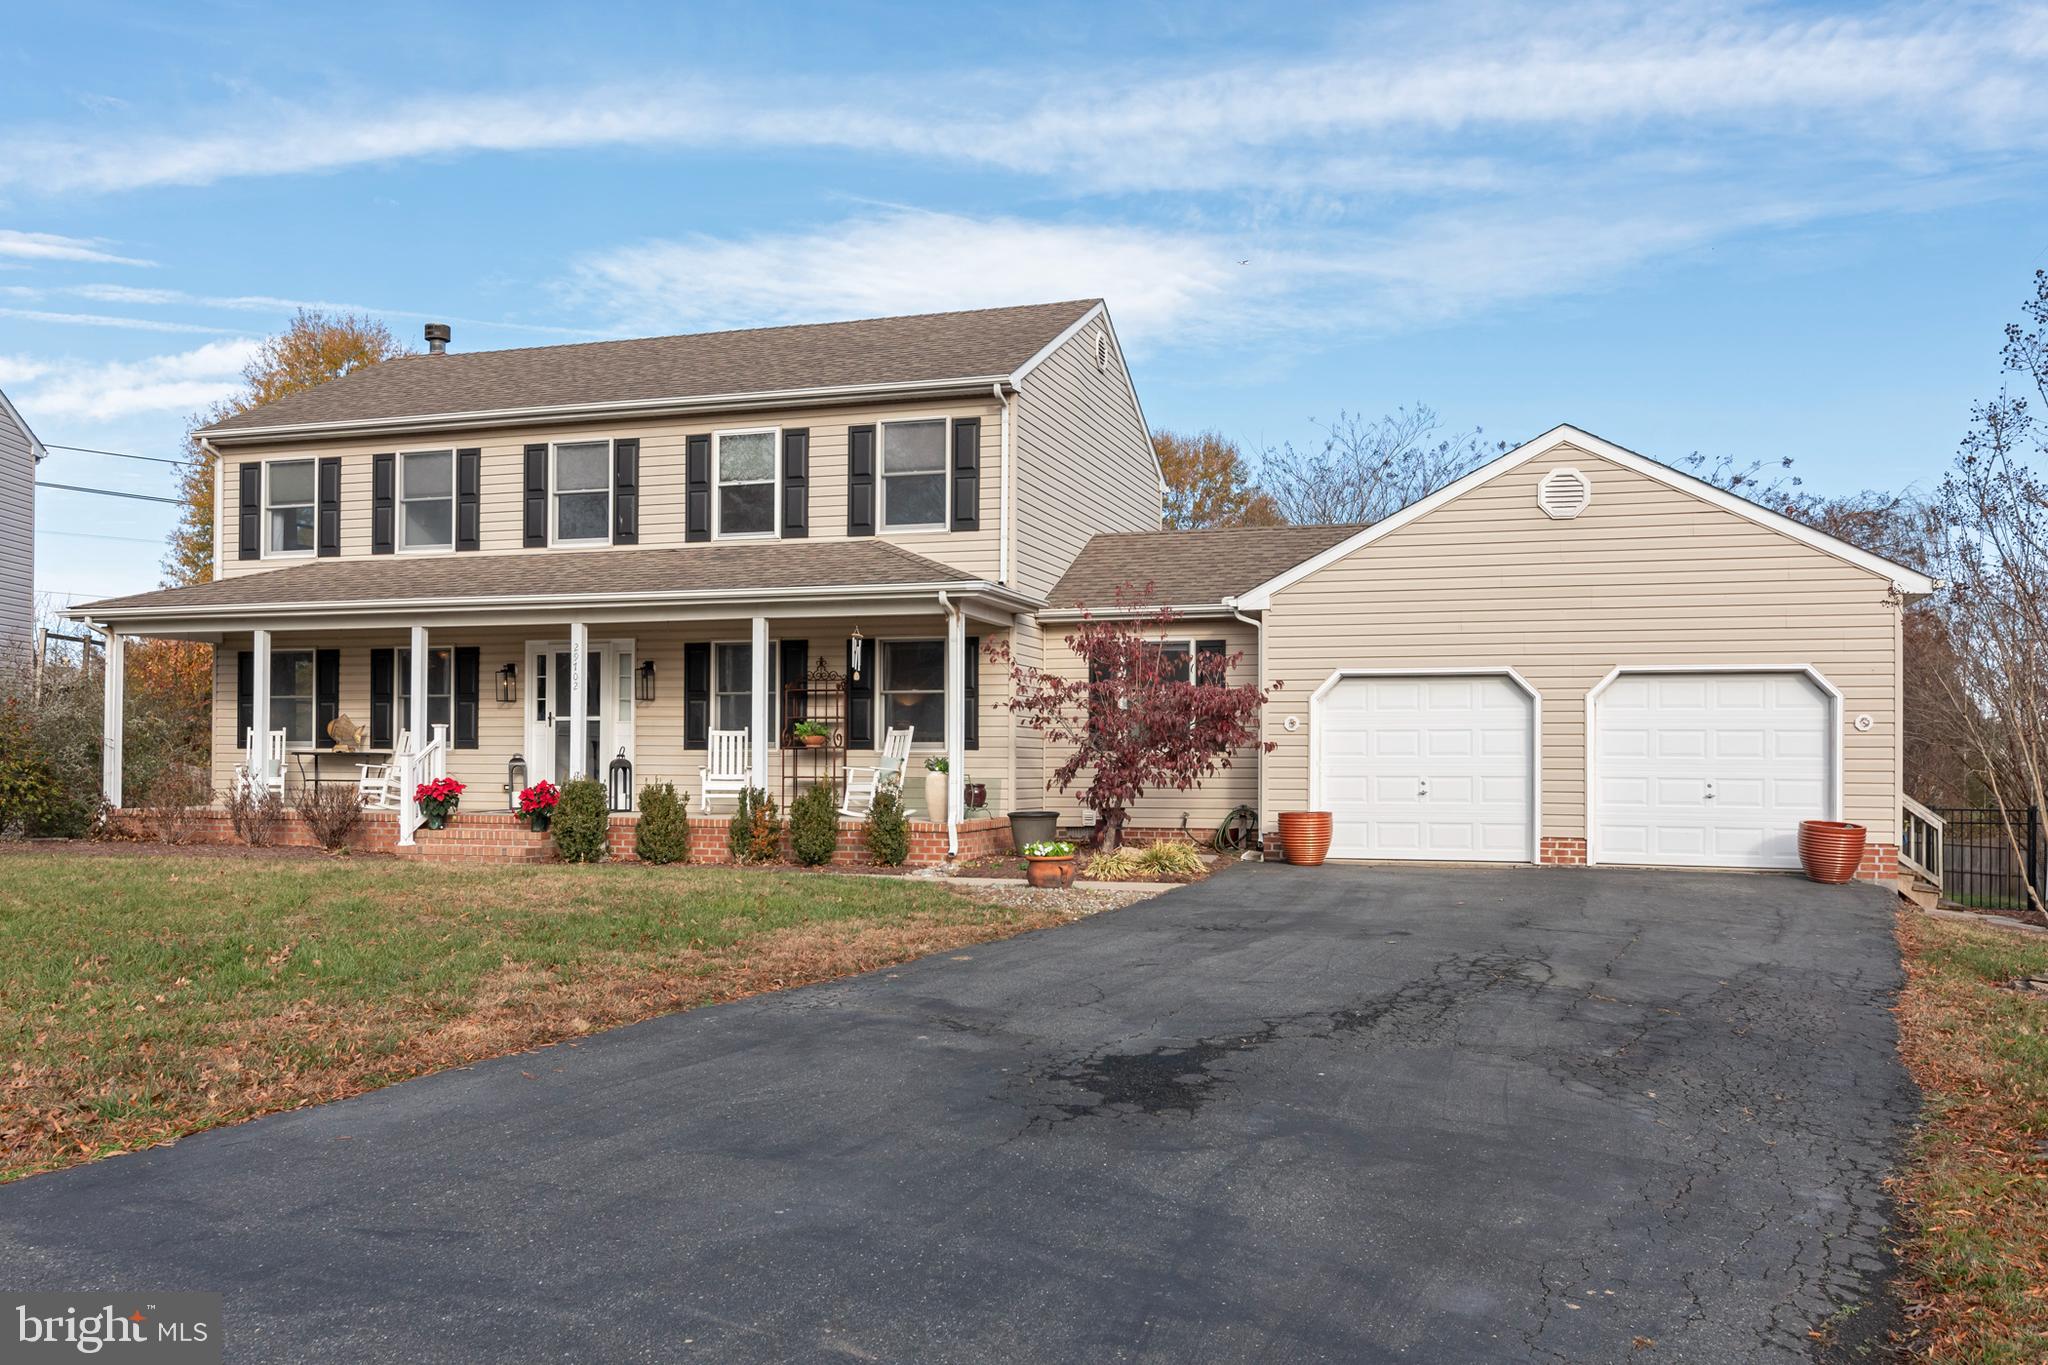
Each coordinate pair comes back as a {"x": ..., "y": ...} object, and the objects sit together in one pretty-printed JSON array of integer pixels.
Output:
[{"x": 633, "y": 550}]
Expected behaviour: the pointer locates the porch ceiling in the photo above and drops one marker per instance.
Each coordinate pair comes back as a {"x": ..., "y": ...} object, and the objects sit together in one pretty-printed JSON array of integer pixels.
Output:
[{"x": 725, "y": 578}]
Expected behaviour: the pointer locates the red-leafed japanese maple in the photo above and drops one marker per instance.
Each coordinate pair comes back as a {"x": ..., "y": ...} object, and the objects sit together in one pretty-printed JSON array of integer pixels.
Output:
[{"x": 1149, "y": 714}]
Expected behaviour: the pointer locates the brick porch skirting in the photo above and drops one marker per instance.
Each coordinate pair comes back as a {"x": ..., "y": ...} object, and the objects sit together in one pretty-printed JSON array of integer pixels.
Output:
[{"x": 500, "y": 837}]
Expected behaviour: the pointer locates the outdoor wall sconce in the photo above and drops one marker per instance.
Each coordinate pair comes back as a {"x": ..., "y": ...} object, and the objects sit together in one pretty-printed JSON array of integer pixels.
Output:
[
  {"x": 644, "y": 690},
  {"x": 508, "y": 683},
  {"x": 620, "y": 784},
  {"x": 515, "y": 780}
]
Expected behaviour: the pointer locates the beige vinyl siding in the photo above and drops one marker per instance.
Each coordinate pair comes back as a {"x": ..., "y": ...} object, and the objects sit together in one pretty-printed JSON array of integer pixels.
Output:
[
  {"x": 1647, "y": 575},
  {"x": 17, "y": 531},
  {"x": 1084, "y": 461},
  {"x": 662, "y": 481},
  {"x": 1205, "y": 806},
  {"x": 502, "y": 728}
]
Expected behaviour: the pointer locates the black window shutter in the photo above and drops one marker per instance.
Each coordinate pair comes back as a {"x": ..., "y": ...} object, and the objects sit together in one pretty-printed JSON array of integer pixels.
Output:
[
  {"x": 860, "y": 485},
  {"x": 469, "y": 488},
  {"x": 972, "y": 739},
  {"x": 382, "y": 671},
  {"x": 383, "y": 504},
  {"x": 326, "y": 694},
  {"x": 534, "y": 516},
  {"x": 625, "y": 492},
  {"x": 1212, "y": 673},
  {"x": 245, "y": 698},
  {"x": 467, "y": 665},
  {"x": 330, "y": 506},
  {"x": 967, "y": 474},
  {"x": 249, "y": 541},
  {"x": 697, "y": 696},
  {"x": 796, "y": 484},
  {"x": 794, "y": 665},
  {"x": 697, "y": 488},
  {"x": 860, "y": 699}
]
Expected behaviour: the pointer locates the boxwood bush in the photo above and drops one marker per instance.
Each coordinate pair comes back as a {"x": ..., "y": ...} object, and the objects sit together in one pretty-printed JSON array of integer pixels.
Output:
[
  {"x": 886, "y": 832},
  {"x": 583, "y": 822},
  {"x": 814, "y": 825},
  {"x": 663, "y": 834}
]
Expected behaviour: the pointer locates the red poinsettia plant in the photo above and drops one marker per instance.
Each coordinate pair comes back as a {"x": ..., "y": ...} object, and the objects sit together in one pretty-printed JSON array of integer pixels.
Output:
[
  {"x": 539, "y": 799},
  {"x": 438, "y": 797}
]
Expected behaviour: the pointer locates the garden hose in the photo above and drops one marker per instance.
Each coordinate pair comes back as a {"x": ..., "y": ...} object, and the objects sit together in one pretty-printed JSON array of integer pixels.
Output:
[{"x": 1237, "y": 831}]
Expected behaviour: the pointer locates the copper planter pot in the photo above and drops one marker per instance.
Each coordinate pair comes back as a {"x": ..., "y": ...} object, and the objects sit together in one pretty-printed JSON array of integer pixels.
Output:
[
  {"x": 1831, "y": 850},
  {"x": 1050, "y": 874},
  {"x": 1305, "y": 836}
]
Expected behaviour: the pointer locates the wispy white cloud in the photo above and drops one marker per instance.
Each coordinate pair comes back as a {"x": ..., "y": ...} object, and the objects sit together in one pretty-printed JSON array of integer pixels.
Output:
[
  {"x": 92, "y": 392},
  {"x": 48, "y": 246},
  {"x": 268, "y": 303},
  {"x": 126, "y": 324}
]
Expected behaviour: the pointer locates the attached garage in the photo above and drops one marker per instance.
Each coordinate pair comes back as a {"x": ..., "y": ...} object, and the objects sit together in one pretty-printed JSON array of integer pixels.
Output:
[
  {"x": 1709, "y": 768},
  {"x": 1433, "y": 766}
]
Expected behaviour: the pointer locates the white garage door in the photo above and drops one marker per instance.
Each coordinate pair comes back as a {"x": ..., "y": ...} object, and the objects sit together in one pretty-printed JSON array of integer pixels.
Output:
[
  {"x": 1709, "y": 769},
  {"x": 1428, "y": 767}
]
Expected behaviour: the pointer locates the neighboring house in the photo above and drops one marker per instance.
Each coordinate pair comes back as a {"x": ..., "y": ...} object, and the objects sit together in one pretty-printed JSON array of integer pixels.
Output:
[
  {"x": 1573, "y": 654},
  {"x": 20, "y": 453}
]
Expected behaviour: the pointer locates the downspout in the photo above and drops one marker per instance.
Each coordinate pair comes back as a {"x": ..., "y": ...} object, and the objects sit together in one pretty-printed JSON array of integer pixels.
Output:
[
  {"x": 956, "y": 738},
  {"x": 1258, "y": 755},
  {"x": 1003, "y": 503}
]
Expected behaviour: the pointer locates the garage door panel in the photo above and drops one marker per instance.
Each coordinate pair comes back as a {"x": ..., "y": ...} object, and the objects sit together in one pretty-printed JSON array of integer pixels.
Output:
[
  {"x": 1444, "y": 770},
  {"x": 1711, "y": 770}
]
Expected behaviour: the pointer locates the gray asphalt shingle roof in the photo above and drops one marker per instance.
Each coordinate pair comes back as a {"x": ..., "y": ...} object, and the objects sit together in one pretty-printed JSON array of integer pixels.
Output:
[{"x": 1188, "y": 568}]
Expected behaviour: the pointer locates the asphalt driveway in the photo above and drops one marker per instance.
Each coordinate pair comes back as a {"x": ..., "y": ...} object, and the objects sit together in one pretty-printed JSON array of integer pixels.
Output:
[{"x": 1289, "y": 1114}]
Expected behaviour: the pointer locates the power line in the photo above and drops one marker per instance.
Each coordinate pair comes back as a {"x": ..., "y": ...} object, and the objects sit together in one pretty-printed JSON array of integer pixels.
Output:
[
  {"x": 95, "y": 535},
  {"x": 108, "y": 492},
  {"x": 117, "y": 454}
]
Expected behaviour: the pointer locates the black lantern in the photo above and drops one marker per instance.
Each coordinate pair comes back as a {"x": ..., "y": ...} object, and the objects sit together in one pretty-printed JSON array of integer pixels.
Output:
[
  {"x": 508, "y": 683},
  {"x": 644, "y": 691},
  {"x": 515, "y": 780},
  {"x": 620, "y": 784}
]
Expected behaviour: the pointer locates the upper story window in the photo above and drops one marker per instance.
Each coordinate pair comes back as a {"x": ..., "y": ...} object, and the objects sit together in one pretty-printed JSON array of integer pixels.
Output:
[
  {"x": 743, "y": 470},
  {"x": 426, "y": 497},
  {"x": 914, "y": 475},
  {"x": 288, "y": 506},
  {"x": 583, "y": 492}
]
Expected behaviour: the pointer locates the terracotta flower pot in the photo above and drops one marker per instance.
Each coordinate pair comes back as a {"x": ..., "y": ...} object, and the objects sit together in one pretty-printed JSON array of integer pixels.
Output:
[
  {"x": 1305, "y": 836},
  {"x": 812, "y": 741},
  {"x": 1830, "y": 850},
  {"x": 1050, "y": 873}
]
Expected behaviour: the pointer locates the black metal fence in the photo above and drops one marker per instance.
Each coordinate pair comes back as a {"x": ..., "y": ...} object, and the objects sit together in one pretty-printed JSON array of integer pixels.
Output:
[{"x": 1985, "y": 864}]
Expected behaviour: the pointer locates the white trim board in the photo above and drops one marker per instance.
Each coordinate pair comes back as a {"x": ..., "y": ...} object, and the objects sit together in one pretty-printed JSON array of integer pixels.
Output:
[
  {"x": 1909, "y": 581},
  {"x": 1820, "y": 680},
  {"x": 1315, "y": 752}
]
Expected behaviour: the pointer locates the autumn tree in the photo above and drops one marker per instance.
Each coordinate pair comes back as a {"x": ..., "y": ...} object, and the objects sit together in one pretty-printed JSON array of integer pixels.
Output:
[
  {"x": 1366, "y": 470},
  {"x": 313, "y": 349},
  {"x": 1209, "y": 482},
  {"x": 1146, "y": 715}
]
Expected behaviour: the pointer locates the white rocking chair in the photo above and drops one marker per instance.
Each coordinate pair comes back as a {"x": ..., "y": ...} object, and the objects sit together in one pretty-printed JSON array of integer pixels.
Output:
[
  {"x": 863, "y": 783},
  {"x": 377, "y": 783},
  {"x": 272, "y": 777},
  {"x": 730, "y": 769}
]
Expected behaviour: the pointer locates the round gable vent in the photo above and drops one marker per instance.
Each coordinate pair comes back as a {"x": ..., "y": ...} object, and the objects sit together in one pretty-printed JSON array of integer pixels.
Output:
[{"x": 1564, "y": 493}]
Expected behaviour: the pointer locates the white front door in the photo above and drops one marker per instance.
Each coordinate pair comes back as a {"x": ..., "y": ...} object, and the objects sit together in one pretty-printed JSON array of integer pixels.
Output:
[
  {"x": 1709, "y": 769},
  {"x": 608, "y": 702},
  {"x": 1428, "y": 767}
]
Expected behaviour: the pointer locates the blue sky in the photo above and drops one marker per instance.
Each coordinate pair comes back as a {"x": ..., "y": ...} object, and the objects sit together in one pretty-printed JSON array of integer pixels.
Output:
[{"x": 1748, "y": 230}]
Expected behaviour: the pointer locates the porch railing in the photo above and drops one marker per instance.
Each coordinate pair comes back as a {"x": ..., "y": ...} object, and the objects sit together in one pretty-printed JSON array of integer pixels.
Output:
[
  {"x": 1920, "y": 838},
  {"x": 427, "y": 763}
]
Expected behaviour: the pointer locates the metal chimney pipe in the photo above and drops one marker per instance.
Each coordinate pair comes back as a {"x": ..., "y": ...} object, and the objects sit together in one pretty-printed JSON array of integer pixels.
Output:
[{"x": 438, "y": 337}]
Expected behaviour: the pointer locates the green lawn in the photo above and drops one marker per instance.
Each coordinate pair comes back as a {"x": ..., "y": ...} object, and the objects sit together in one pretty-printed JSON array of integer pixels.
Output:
[
  {"x": 1976, "y": 1195},
  {"x": 145, "y": 997}
]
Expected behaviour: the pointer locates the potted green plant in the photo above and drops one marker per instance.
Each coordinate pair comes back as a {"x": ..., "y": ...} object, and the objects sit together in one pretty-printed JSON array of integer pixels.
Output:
[
  {"x": 537, "y": 804},
  {"x": 812, "y": 734},
  {"x": 935, "y": 789},
  {"x": 1049, "y": 864},
  {"x": 437, "y": 800}
]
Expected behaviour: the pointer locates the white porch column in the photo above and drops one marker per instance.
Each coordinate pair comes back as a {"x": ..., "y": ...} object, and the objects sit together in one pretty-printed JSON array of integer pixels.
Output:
[
  {"x": 259, "y": 704},
  {"x": 110, "y": 733},
  {"x": 416, "y": 679},
  {"x": 762, "y": 721},
  {"x": 579, "y": 699},
  {"x": 956, "y": 722}
]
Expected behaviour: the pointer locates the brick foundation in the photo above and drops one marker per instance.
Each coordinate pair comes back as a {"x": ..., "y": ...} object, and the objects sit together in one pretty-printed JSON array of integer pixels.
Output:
[
  {"x": 500, "y": 837},
  {"x": 1561, "y": 851},
  {"x": 1880, "y": 864}
]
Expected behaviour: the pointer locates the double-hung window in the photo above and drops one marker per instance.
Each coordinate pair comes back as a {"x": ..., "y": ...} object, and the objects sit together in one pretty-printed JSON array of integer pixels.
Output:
[
  {"x": 732, "y": 686},
  {"x": 440, "y": 690},
  {"x": 426, "y": 499},
  {"x": 914, "y": 475},
  {"x": 914, "y": 688},
  {"x": 744, "y": 470},
  {"x": 291, "y": 694},
  {"x": 583, "y": 492},
  {"x": 288, "y": 499}
]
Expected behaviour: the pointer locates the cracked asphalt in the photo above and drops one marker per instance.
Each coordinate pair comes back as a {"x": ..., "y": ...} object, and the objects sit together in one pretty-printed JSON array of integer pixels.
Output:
[{"x": 1287, "y": 1114}]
